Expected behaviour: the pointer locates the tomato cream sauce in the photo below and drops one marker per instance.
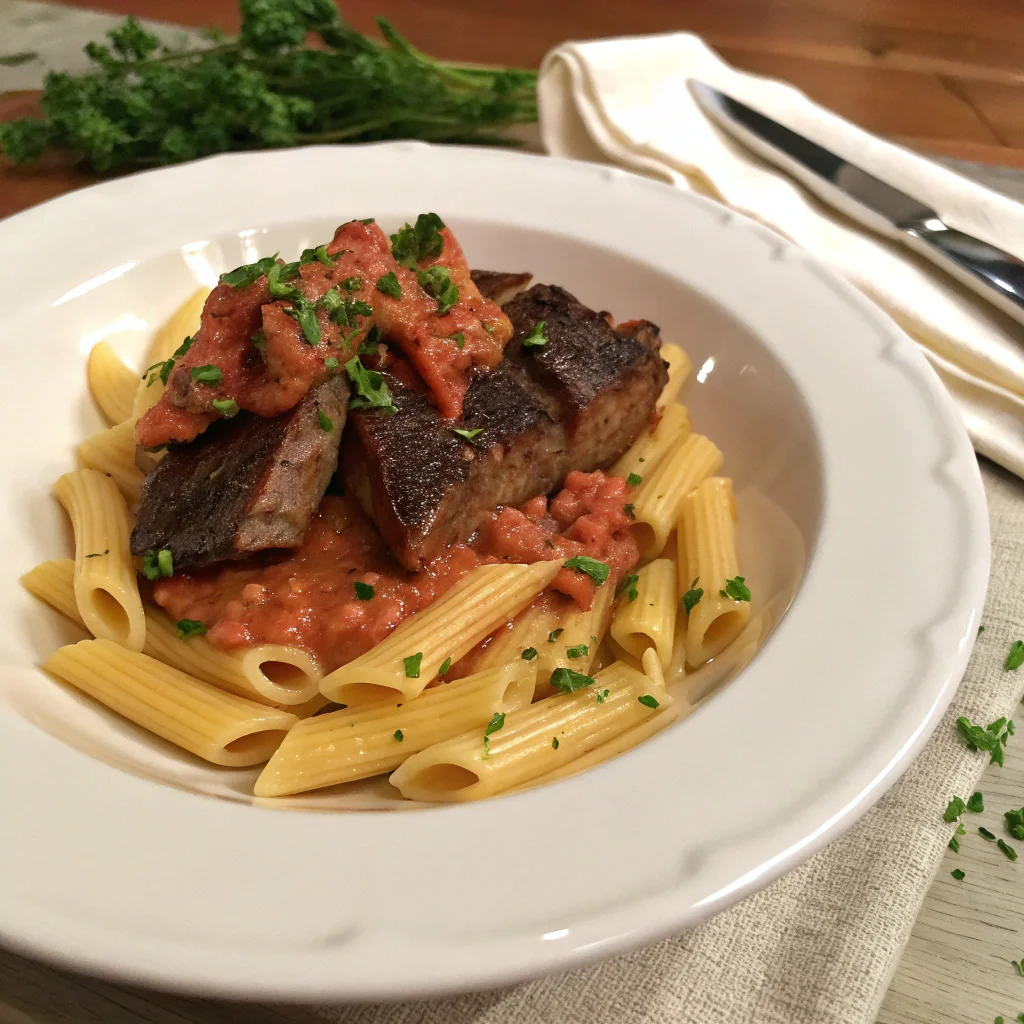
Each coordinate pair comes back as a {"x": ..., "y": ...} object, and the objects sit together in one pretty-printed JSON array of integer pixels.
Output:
[
  {"x": 308, "y": 598},
  {"x": 266, "y": 361}
]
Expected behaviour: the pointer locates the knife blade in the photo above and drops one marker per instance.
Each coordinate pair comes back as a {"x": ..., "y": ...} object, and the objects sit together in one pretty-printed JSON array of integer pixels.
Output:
[{"x": 992, "y": 273}]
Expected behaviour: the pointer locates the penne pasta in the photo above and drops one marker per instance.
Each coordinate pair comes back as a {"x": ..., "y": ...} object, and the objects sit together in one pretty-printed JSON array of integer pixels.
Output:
[
  {"x": 106, "y": 587},
  {"x": 112, "y": 451},
  {"x": 659, "y": 498},
  {"x": 679, "y": 370},
  {"x": 183, "y": 322},
  {"x": 200, "y": 718},
  {"x": 533, "y": 741},
  {"x": 54, "y": 583},
  {"x": 650, "y": 447},
  {"x": 355, "y": 744},
  {"x": 401, "y": 665},
  {"x": 576, "y": 628},
  {"x": 708, "y": 531},
  {"x": 648, "y": 621},
  {"x": 267, "y": 673},
  {"x": 112, "y": 382}
]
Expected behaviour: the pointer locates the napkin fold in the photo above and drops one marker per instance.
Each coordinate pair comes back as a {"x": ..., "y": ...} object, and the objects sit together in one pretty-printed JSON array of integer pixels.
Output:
[{"x": 625, "y": 101}]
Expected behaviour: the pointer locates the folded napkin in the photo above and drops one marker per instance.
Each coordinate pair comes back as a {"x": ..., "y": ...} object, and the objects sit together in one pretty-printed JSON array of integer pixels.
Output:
[{"x": 625, "y": 101}]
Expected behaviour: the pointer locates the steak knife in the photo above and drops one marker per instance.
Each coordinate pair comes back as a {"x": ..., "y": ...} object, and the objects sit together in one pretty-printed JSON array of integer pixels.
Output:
[{"x": 995, "y": 275}]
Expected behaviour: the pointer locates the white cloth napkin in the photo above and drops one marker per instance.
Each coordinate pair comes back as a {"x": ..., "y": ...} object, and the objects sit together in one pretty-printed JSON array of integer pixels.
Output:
[{"x": 625, "y": 101}]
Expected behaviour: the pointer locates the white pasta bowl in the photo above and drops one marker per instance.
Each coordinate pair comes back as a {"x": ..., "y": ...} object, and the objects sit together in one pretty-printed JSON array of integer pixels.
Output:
[{"x": 858, "y": 492}]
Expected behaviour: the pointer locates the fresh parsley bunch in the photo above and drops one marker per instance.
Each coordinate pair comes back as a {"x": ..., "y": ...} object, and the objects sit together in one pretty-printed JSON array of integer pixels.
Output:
[{"x": 146, "y": 104}]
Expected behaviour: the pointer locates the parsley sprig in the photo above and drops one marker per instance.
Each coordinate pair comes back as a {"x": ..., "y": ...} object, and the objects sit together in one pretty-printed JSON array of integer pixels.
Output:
[{"x": 144, "y": 104}]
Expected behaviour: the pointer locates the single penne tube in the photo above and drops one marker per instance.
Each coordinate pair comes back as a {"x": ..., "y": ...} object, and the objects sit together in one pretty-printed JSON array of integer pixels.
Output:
[
  {"x": 268, "y": 673},
  {"x": 679, "y": 370},
  {"x": 650, "y": 447},
  {"x": 357, "y": 743},
  {"x": 214, "y": 725},
  {"x": 645, "y": 613},
  {"x": 112, "y": 382},
  {"x": 112, "y": 451},
  {"x": 402, "y": 664},
  {"x": 659, "y": 498},
  {"x": 54, "y": 583},
  {"x": 615, "y": 746},
  {"x": 532, "y": 741},
  {"x": 183, "y": 323},
  {"x": 707, "y": 528},
  {"x": 106, "y": 587}
]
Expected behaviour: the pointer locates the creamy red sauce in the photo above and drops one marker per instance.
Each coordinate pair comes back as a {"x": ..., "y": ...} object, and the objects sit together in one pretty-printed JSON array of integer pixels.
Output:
[
  {"x": 274, "y": 376},
  {"x": 308, "y": 598}
]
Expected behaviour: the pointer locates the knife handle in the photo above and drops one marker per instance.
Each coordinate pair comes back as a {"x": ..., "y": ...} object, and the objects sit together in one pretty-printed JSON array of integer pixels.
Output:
[{"x": 994, "y": 274}]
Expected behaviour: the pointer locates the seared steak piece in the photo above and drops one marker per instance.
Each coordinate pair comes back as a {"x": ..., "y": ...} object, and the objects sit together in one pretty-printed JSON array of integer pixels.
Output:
[
  {"x": 498, "y": 286},
  {"x": 246, "y": 484},
  {"x": 575, "y": 403}
]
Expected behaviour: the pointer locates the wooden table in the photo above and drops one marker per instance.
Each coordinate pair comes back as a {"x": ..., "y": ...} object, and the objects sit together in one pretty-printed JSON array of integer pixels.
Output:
[{"x": 944, "y": 76}]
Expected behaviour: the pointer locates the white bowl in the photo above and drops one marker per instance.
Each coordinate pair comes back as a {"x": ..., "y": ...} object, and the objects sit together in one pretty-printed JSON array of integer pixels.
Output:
[{"x": 131, "y": 859}]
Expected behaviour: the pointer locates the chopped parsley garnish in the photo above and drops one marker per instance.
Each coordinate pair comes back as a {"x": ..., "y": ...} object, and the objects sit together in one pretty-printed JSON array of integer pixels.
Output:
[
  {"x": 305, "y": 316},
  {"x": 976, "y": 803},
  {"x": 410, "y": 244},
  {"x": 227, "y": 407},
  {"x": 467, "y": 434},
  {"x": 445, "y": 665},
  {"x": 1015, "y": 823},
  {"x": 318, "y": 254},
  {"x": 648, "y": 701},
  {"x": 566, "y": 680},
  {"x": 1015, "y": 658},
  {"x": 736, "y": 589},
  {"x": 628, "y": 586},
  {"x": 554, "y": 743},
  {"x": 157, "y": 563},
  {"x": 630, "y": 510},
  {"x": 242, "y": 277},
  {"x": 189, "y": 628},
  {"x": 399, "y": 735},
  {"x": 371, "y": 391},
  {"x": 529, "y": 654},
  {"x": 371, "y": 342},
  {"x": 602, "y": 696},
  {"x": 957, "y": 874},
  {"x": 536, "y": 337},
  {"x": 693, "y": 595},
  {"x": 437, "y": 282},
  {"x": 985, "y": 834},
  {"x": 364, "y": 591},
  {"x": 976, "y": 738},
  {"x": 954, "y": 809},
  {"x": 489, "y": 328},
  {"x": 343, "y": 309},
  {"x": 325, "y": 421},
  {"x": 211, "y": 375},
  {"x": 331, "y": 364},
  {"x": 579, "y": 651},
  {"x": 388, "y": 284},
  {"x": 352, "y": 284},
  {"x": 277, "y": 278},
  {"x": 412, "y": 665},
  {"x": 163, "y": 369},
  {"x": 496, "y": 722},
  {"x": 459, "y": 338},
  {"x": 98, "y": 554},
  {"x": 954, "y": 844},
  {"x": 981, "y": 629},
  {"x": 368, "y": 220},
  {"x": 634, "y": 480},
  {"x": 1019, "y": 964},
  {"x": 487, "y": 747},
  {"x": 555, "y": 634},
  {"x": 259, "y": 339},
  {"x": 597, "y": 571},
  {"x": 1011, "y": 853}
]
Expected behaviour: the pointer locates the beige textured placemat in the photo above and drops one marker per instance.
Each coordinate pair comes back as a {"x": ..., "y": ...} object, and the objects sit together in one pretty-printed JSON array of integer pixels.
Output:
[{"x": 820, "y": 945}]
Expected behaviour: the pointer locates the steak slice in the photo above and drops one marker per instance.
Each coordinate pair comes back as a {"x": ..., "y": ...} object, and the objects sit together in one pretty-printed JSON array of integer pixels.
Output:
[
  {"x": 245, "y": 485},
  {"x": 578, "y": 407},
  {"x": 499, "y": 286}
]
